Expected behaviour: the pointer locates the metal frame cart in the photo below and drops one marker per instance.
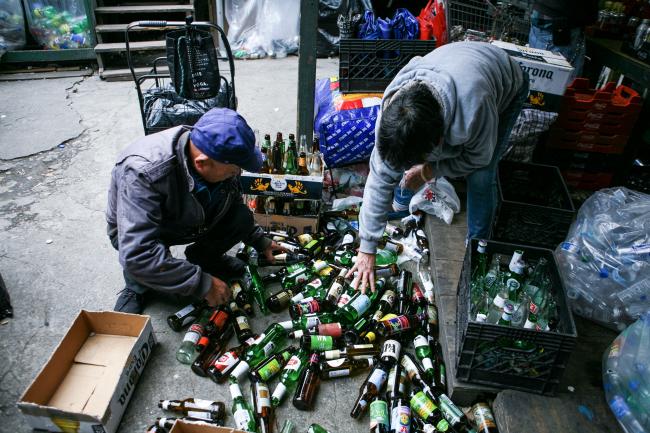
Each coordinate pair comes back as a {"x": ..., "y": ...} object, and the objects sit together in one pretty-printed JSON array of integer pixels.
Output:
[{"x": 161, "y": 106}]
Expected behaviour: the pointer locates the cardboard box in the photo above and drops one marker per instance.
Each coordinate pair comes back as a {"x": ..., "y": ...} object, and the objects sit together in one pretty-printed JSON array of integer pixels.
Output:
[
  {"x": 182, "y": 426},
  {"x": 549, "y": 74},
  {"x": 291, "y": 224},
  {"x": 88, "y": 381},
  {"x": 282, "y": 185}
]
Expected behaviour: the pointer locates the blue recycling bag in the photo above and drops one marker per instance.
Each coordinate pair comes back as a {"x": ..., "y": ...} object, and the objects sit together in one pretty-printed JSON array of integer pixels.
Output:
[{"x": 346, "y": 136}]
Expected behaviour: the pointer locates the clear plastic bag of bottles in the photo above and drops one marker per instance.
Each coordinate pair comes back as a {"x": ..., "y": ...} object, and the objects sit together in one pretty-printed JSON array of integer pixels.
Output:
[
  {"x": 12, "y": 26},
  {"x": 59, "y": 24},
  {"x": 626, "y": 376},
  {"x": 605, "y": 260}
]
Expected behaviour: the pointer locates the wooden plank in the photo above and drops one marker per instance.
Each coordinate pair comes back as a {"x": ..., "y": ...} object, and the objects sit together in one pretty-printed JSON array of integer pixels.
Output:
[
  {"x": 44, "y": 75},
  {"x": 143, "y": 9},
  {"x": 125, "y": 74},
  {"x": 134, "y": 46}
]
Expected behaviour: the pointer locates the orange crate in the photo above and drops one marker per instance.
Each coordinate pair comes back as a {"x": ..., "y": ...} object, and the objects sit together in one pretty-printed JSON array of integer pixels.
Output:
[
  {"x": 611, "y": 99},
  {"x": 587, "y": 141},
  {"x": 584, "y": 180}
]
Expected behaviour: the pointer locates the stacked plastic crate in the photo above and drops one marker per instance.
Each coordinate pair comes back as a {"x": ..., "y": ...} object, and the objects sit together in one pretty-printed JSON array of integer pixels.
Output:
[{"x": 588, "y": 140}]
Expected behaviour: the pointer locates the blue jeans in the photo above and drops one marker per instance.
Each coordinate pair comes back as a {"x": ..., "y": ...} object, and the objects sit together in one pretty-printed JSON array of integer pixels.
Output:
[
  {"x": 482, "y": 184},
  {"x": 541, "y": 36}
]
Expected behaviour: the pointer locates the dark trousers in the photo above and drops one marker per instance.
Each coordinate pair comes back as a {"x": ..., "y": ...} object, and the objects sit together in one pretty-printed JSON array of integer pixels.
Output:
[{"x": 207, "y": 252}]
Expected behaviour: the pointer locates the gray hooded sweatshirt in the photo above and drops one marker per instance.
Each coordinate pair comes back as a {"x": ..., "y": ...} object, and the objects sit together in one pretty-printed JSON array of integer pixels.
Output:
[{"x": 473, "y": 82}]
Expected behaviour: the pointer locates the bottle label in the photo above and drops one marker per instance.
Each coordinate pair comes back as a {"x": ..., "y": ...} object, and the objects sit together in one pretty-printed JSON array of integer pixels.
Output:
[
  {"x": 499, "y": 301},
  {"x": 339, "y": 373},
  {"x": 530, "y": 325},
  {"x": 200, "y": 403},
  {"x": 442, "y": 426},
  {"x": 378, "y": 413},
  {"x": 335, "y": 290},
  {"x": 388, "y": 296},
  {"x": 422, "y": 405},
  {"x": 293, "y": 363},
  {"x": 483, "y": 417},
  {"x": 269, "y": 348},
  {"x": 450, "y": 411},
  {"x": 391, "y": 349},
  {"x": 427, "y": 364},
  {"x": 263, "y": 395},
  {"x": 420, "y": 341},
  {"x": 242, "y": 419},
  {"x": 225, "y": 361},
  {"x": 311, "y": 322},
  {"x": 304, "y": 239},
  {"x": 269, "y": 370},
  {"x": 335, "y": 363},
  {"x": 397, "y": 324},
  {"x": 332, "y": 354},
  {"x": 236, "y": 289},
  {"x": 361, "y": 304},
  {"x": 309, "y": 307},
  {"x": 242, "y": 323},
  {"x": 315, "y": 284},
  {"x": 194, "y": 333},
  {"x": 283, "y": 295},
  {"x": 185, "y": 311},
  {"x": 480, "y": 317},
  {"x": 377, "y": 378},
  {"x": 343, "y": 300},
  {"x": 401, "y": 419},
  {"x": 321, "y": 342},
  {"x": 512, "y": 284},
  {"x": 204, "y": 416}
]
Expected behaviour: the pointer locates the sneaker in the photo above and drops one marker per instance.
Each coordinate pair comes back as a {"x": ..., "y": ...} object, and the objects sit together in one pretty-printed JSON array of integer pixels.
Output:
[{"x": 129, "y": 302}]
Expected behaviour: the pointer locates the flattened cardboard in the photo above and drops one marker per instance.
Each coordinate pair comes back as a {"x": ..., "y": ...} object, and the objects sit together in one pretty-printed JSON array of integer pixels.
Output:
[
  {"x": 290, "y": 224},
  {"x": 89, "y": 379}
]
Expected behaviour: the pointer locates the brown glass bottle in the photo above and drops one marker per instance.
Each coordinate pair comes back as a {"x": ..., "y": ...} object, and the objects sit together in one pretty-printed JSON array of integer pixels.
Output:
[
  {"x": 211, "y": 352},
  {"x": 308, "y": 385},
  {"x": 344, "y": 367},
  {"x": 262, "y": 405},
  {"x": 240, "y": 323}
]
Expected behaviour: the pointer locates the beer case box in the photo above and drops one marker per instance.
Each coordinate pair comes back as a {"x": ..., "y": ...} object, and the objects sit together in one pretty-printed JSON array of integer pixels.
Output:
[
  {"x": 291, "y": 224},
  {"x": 182, "y": 426},
  {"x": 88, "y": 381},
  {"x": 282, "y": 185},
  {"x": 549, "y": 74}
]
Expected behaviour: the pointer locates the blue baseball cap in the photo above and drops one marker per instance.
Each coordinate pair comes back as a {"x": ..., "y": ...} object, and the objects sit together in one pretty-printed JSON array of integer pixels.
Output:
[{"x": 223, "y": 135}]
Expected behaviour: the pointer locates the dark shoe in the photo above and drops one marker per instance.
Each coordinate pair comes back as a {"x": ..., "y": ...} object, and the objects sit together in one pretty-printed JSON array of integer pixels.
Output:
[{"x": 129, "y": 302}]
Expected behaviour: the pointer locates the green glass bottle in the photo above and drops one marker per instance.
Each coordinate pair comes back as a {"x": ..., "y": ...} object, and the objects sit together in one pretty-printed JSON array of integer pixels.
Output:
[
  {"x": 289, "y": 376},
  {"x": 360, "y": 304},
  {"x": 304, "y": 273},
  {"x": 506, "y": 317},
  {"x": 291, "y": 160},
  {"x": 307, "y": 321},
  {"x": 274, "y": 338},
  {"x": 425, "y": 355},
  {"x": 316, "y": 428},
  {"x": 258, "y": 289},
  {"x": 428, "y": 412},
  {"x": 345, "y": 257},
  {"x": 316, "y": 288},
  {"x": 272, "y": 365},
  {"x": 385, "y": 257},
  {"x": 186, "y": 352},
  {"x": 481, "y": 259},
  {"x": 241, "y": 411}
]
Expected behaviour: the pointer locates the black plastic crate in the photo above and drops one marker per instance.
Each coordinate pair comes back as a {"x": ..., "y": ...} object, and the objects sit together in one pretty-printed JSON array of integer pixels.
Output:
[
  {"x": 369, "y": 66},
  {"x": 484, "y": 355},
  {"x": 534, "y": 208}
]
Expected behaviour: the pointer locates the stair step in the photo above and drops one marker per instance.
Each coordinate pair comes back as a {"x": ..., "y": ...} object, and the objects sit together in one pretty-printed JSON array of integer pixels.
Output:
[
  {"x": 134, "y": 46},
  {"x": 125, "y": 74},
  {"x": 143, "y": 9}
]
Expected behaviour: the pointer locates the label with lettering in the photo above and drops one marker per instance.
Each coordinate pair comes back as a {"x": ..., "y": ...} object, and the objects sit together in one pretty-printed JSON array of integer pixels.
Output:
[
  {"x": 378, "y": 378},
  {"x": 483, "y": 417},
  {"x": 322, "y": 342},
  {"x": 422, "y": 405},
  {"x": 401, "y": 419},
  {"x": 361, "y": 304},
  {"x": 378, "y": 413},
  {"x": 269, "y": 370}
]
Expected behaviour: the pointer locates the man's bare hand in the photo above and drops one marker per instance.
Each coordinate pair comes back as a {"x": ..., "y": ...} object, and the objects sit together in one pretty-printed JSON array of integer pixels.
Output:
[
  {"x": 365, "y": 268},
  {"x": 413, "y": 178},
  {"x": 219, "y": 293},
  {"x": 272, "y": 249}
]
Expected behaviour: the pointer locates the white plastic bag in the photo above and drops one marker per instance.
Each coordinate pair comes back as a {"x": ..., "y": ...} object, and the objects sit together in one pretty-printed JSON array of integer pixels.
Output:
[
  {"x": 260, "y": 28},
  {"x": 605, "y": 260},
  {"x": 437, "y": 198}
]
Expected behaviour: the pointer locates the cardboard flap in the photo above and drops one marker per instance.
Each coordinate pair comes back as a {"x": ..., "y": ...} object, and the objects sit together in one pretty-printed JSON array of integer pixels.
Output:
[
  {"x": 77, "y": 388},
  {"x": 106, "y": 350}
]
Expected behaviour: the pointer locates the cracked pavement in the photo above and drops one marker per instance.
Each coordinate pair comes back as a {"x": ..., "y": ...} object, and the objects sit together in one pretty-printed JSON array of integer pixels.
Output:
[{"x": 58, "y": 193}]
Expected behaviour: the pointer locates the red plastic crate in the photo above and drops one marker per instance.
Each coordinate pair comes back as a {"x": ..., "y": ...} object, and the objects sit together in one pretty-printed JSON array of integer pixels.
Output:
[
  {"x": 603, "y": 126},
  {"x": 587, "y": 141},
  {"x": 611, "y": 99},
  {"x": 584, "y": 180}
]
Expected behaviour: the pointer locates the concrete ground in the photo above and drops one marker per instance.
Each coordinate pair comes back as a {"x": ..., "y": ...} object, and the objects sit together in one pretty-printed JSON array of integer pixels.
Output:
[{"x": 55, "y": 257}]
